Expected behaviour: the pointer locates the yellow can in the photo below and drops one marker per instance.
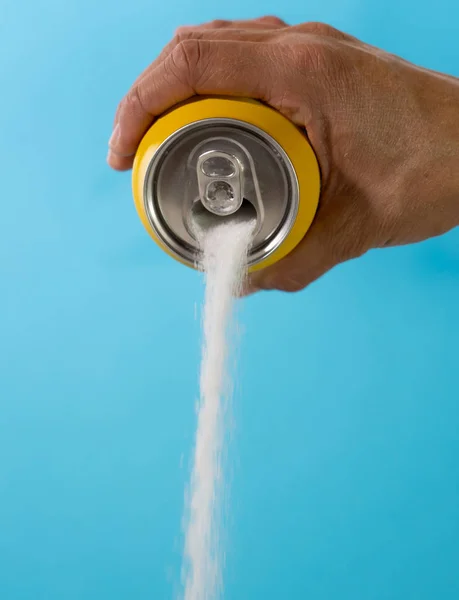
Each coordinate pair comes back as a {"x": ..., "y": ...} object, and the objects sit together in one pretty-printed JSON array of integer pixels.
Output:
[{"x": 210, "y": 160}]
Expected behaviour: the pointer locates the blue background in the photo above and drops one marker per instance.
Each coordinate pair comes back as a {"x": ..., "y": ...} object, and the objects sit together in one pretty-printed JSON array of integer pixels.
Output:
[{"x": 345, "y": 453}]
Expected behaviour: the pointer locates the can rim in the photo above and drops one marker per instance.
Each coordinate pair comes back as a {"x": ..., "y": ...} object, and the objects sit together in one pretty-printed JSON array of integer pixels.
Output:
[{"x": 180, "y": 248}]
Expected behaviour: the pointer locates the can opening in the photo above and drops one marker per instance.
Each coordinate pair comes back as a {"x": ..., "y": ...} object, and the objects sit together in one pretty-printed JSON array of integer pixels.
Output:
[{"x": 201, "y": 218}]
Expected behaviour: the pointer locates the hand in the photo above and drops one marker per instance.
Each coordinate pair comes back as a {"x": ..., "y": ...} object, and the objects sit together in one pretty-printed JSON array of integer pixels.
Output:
[{"x": 386, "y": 133}]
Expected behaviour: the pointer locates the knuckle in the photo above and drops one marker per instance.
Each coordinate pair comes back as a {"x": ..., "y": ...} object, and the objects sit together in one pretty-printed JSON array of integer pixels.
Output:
[
  {"x": 184, "y": 58},
  {"x": 183, "y": 31},
  {"x": 191, "y": 53},
  {"x": 219, "y": 24},
  {"x": 215, "y": 24},
  {"x": 273, "y": 20},
  {"x": 189, "y": 62},
  {"x": 197, "y": 55},
  {"x": 321, "y": 29},
  {"x": 133, "y": 100}
]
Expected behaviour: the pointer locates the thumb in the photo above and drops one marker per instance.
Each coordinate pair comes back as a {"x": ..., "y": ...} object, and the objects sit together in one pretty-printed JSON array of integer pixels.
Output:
[{"x": 338, "y": 234}]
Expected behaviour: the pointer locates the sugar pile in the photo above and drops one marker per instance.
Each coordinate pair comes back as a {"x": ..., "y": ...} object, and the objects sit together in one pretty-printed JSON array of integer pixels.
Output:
[{"x": 224, "y": 251}]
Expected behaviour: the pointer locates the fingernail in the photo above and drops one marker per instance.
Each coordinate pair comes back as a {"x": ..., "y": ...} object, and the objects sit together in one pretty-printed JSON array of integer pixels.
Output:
[{"x": 115, "y": 138}]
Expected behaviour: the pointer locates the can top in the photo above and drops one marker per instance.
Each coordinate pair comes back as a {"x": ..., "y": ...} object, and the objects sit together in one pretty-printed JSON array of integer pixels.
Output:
[
  {"x": 217, "y": 168},
  {"x": 211, "y": 170}
]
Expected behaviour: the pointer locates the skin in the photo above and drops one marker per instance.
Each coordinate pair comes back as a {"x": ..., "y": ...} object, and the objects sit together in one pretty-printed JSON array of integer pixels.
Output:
[{"x": 385, "y": 132}]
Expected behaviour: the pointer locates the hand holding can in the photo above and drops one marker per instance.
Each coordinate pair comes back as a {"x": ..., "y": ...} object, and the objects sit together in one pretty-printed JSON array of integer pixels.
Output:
[{"x": 385, "y": 132}]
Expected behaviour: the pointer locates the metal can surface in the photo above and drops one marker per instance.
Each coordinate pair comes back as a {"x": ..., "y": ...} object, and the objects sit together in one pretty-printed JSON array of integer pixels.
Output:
[{"x": 216, "y": 159}]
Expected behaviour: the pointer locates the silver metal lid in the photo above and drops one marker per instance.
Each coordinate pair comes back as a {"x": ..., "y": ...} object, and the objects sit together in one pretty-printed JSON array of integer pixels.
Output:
[{"x": 215, "y": 170}]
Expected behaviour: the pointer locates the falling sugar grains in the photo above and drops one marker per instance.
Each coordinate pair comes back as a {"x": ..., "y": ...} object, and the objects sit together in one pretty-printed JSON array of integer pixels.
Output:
[{"x": 224, "y": 257}]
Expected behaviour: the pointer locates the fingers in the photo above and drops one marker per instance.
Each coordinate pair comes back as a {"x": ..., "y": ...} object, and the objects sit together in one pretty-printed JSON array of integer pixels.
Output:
[
  {"x": 178, "y": 71},
  {"x": 200, "y": 67},
  {"x": 322, "y": 30},
  {"x": 122, "y": 150},
  {"x": 193, "y": 67},
  {"x": 262, "y": 24},
  {"x": 268, "y": 22}
]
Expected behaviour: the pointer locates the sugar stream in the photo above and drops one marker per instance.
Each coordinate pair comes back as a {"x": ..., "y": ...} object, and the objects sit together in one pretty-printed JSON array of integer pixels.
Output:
[{"x": 224, "y": 250}]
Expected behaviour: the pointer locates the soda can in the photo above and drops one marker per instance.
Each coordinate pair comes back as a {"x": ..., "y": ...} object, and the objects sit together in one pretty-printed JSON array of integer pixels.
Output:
[{"x": 210, "y": 160}]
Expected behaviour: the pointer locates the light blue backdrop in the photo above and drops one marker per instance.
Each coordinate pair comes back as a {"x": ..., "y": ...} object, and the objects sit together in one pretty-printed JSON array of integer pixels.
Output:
[{"x": 346, "y": 443}]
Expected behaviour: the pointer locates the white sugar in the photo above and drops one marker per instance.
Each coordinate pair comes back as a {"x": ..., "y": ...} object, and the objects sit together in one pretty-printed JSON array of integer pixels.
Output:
[{"x": 224, "y": 249}]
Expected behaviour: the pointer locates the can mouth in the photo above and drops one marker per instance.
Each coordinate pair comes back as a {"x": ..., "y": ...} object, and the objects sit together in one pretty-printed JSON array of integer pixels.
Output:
[{"x": 202, "y": 219}]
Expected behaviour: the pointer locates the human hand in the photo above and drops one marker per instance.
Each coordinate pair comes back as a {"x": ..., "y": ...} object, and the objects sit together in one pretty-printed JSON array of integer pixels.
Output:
[{"x": 385, "y": 132}]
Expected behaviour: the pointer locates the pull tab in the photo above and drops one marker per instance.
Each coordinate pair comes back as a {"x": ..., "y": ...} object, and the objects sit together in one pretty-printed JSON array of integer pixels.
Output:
[{"x": 220, "y": 181}]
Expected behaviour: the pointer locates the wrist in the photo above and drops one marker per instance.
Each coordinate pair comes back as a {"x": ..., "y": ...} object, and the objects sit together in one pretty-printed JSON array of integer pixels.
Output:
[
  {"x": 446, "y": 160},
  {"x": 437, "y": 182}
]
